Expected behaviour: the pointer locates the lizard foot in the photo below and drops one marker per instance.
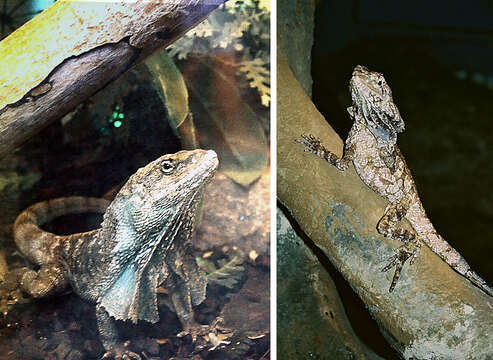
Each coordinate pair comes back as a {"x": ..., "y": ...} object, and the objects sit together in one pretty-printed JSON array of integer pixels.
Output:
[
  {"x": 311, "y": 143},
  {"x": 204, "y": 331},
  {"x": 121, "y": 352},
  {"x": 398, "y": 260},
  {"x": 10, "y": 290}
]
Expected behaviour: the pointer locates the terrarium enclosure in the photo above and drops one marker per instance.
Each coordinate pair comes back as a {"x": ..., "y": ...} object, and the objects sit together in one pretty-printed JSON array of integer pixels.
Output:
[{"x": 91, "y": 92}]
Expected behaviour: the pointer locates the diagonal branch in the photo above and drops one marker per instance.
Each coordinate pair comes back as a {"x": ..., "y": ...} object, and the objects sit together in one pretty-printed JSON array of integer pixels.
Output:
[
  {"x": 434, "y": 312},
  {"x": 73, "y": 49}
]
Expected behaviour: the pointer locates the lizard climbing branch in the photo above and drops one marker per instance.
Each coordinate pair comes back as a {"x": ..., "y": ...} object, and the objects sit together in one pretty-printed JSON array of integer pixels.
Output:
[
  {"x": 73, "y": 49},
  {"x": 371, "y": 147},
  {"x": 339, "y": 212}
]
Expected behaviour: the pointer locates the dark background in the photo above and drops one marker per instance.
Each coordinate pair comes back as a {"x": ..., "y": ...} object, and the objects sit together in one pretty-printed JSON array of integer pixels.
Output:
[{"x": 436, "y": 56}]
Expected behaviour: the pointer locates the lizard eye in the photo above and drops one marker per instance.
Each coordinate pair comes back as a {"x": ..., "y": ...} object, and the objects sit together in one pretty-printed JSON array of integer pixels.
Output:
[{"x": 167, "y": 166}]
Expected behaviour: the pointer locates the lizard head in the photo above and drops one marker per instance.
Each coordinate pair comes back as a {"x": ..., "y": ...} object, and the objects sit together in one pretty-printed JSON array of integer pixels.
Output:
[
  {"x": 160, "y": 200},
  {"x": 372, "y": 99},
  {"x": 147, "y": 228},
  {"x": 178, "y": 176}
]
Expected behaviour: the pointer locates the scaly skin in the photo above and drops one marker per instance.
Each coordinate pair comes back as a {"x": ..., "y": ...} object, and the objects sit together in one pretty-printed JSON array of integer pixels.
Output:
[
  {"x": 371, "y": 147},
  {"x": 144, "y": 241}
]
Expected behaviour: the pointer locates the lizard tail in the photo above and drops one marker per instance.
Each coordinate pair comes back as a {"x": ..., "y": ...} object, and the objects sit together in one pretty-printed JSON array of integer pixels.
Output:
[
  {"x": 41, "y": 246},
  {"x": 423, "y": 226}
]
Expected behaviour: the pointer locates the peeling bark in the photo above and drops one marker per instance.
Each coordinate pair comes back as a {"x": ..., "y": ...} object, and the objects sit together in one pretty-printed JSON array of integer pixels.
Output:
[
  {"x": 434, "y": 313},
  {"x": 73, "y": 49}
]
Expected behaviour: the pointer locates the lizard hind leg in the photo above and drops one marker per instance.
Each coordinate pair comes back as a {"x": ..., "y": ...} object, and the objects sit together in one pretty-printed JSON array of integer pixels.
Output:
[
  {"x": 49, "y": 280},
  {"x": 387, "y": 226},
  {"x": 398, "y": 260}
]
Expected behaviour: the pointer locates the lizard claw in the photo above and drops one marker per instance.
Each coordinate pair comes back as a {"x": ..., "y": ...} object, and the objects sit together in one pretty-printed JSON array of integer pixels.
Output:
[
  {"x": 311, "y": 143},
  {"x": 194, "y": 331},
  {"x": 121, "y": 352},
  {"x": 198, "y": 330},
  {"x": 398, "y": 261}
]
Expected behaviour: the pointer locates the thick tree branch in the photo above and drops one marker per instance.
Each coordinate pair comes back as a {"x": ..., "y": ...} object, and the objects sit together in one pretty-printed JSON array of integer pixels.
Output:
[
  {"x": 311, "y": 319},
  {"x": 434, "y": 312},
  {"x": 73, "y": 49}
]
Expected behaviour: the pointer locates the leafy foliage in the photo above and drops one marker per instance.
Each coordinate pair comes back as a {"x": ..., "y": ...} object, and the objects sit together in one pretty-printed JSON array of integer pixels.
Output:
[
  {"x": 227, "y": 273},
  {"x": 241, "y": 28}
]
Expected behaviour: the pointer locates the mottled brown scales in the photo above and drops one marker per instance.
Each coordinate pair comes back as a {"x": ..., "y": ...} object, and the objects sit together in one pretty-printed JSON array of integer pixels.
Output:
[
  {"x": 143, "y": 241},
  {"x": 371, "y": 146},
  {"x": 42, "y": 247}
]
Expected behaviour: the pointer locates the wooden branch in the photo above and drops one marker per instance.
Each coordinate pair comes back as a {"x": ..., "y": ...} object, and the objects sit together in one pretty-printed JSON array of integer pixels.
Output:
[
  {"x": 311, "y": 318},
  {"x": 434, "y": 313},
  {"x": 73, "y": 49}
]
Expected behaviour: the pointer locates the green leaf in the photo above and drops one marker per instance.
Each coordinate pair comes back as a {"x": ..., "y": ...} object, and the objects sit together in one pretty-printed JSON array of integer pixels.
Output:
[
  {"x": 171, "y": 87},
  {"x": 229, "y": 274}
]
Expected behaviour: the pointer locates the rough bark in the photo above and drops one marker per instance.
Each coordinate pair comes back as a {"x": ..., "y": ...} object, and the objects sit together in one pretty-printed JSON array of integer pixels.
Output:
[
  {"x": 434, "y": 313},
  {"x": 73, "y": 49},
  {"x": 311, "y": 320}
]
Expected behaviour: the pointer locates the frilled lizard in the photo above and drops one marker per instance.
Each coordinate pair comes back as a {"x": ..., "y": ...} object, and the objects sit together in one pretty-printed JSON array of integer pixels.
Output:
[
  {"x": 143, "y": 241},
  {"x": 371, "y": 146}
]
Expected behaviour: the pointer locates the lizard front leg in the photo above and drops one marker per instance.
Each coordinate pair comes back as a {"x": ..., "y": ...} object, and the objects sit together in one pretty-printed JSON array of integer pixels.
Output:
[
  {"x": 313, "y": 145},
  {"x": 109, "y": 337},
  {"x": 387, "y": 226},
  {"x": 181, "y": 300}
]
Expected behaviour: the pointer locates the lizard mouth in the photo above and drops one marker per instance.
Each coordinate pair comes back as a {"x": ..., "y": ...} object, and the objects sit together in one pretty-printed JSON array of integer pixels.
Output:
[
  {"x": 360, "y": 69},
  {"x": 211, "y": 159},
  {"x": 207, "y": 165},
  {"x": 361, "y": 78}
]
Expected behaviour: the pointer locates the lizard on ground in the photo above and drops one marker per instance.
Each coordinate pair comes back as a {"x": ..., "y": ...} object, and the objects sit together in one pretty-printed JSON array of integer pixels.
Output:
[
  {"x": 371, "y": 146},
  {"x": 143, "y": 241}
]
